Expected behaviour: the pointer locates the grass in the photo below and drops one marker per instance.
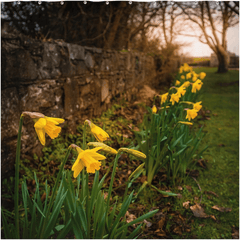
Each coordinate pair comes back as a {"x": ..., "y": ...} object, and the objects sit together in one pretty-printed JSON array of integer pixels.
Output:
[{"x": 220, "y": 95}]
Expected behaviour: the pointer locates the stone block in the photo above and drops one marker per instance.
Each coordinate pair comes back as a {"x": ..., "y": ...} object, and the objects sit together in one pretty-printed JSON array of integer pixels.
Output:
[
  {"x": 76, "y": 52},
  {"x": 89, "y": 61}
]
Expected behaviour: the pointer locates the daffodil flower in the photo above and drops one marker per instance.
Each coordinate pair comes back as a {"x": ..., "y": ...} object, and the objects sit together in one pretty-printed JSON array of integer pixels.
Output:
[
  {"x": 177, "y": 83},
  {"x": 197, "y": 86},
  {"x": 98, "y": 133},
  {"x": 89, "y": 159},
  {"x": 44, "y": 124},
  {"x": 197, "y": 106},
  {"x": 191, "y": 114},
  {"x": 164, "y": 98},
  {"x": 189, "y": 75},
  {"x": 186, "y": 84},
  {"x": 202, "y": 75},
  {"x": 181, "y": 91},
  {"x": 175, "y": 98},
  {"x": 154, "y": 109},
  {"x": 182, "y": 77}
]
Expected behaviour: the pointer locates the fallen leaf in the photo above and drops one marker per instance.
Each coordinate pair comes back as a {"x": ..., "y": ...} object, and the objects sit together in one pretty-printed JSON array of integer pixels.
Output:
[
  {"x": 161, "y": 222},
  {"x": 189, "y": 188},
  {"x": 210, "y": 192},
  {"x": 160, "y": 233},
  {"x": 213, "y": 217},
  {"x": 235, "y": 233},
  {"x": 148, "y": 224},
  {"x": 198, "y": 211},
  {"x": 179, "y": 196},
  {"x": 222, "y": 209},
  {"x": 129, "y": 217},
  {"x": 221, "y": 145},
  {"x": 177, "y": 230},
  {"x": 186, "y": 204}
]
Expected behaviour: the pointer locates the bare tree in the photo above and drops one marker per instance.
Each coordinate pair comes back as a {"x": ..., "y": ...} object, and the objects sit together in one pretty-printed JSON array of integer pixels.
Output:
[{"x": 209, "y": 17}]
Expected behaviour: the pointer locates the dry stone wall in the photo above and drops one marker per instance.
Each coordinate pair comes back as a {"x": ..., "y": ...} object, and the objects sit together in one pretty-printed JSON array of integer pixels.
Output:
[{"x": 62, "y": 80}]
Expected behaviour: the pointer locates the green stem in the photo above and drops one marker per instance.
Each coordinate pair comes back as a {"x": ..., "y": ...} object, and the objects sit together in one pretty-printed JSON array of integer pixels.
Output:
[
  {"x": 16, "y": 190},
  {"x": 112, "y": 178},
  {"x": 54, "y": 192}
]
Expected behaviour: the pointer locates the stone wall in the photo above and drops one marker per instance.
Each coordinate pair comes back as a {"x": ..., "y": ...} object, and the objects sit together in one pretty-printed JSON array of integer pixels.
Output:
[{"x": 62, "y": 80}]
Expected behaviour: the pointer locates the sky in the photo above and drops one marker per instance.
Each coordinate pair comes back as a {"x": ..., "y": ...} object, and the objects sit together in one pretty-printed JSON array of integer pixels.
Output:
[{"x": 198, "y": 49}]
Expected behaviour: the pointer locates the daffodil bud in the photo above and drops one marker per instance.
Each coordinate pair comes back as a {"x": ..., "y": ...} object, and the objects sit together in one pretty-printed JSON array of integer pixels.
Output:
[
  {"x": 104, "y": 147},
  {"x": 133, "y": 152}
]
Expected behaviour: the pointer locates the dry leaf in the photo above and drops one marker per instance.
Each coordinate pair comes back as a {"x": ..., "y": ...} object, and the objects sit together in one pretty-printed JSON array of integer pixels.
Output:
[
  {"x": 179, "y": 196},
  {"x": 213, "y": 217},
  {"x": 210, "y": 192},
  {"x": 222, "y": 209},
  {"x": 189, "y": 188},
  {"x": 186, "y": 204},
  {"x": 160, "y": 233},
  {"x": 198, "y": 211},
  {"x": 148, "y": 224},
  {"x": 130, "y": 217},
  {"x": 177, "y": 230},
  {"x": 235, "y": 234},
  {"x": 161, "y": 222}
]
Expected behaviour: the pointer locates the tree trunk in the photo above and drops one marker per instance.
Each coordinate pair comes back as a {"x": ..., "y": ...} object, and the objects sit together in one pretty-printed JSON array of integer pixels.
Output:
[{"x": 222, "y": 62}]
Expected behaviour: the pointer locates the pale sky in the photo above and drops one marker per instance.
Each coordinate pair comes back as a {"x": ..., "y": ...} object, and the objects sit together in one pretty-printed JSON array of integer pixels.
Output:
[{"x": 198, "y": 49}]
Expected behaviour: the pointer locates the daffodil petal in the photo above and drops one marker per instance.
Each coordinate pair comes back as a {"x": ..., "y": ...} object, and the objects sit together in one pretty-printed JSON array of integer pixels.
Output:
[
  {"x": 78, "y": 168},
  {"x": 41, "y": 135},
  {"x": 55, "y": 120},
  {"x": 41, "y": 123}
]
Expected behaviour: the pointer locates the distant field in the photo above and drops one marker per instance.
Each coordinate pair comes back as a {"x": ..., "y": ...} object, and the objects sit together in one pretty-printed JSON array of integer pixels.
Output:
[{"x": 200, "y": 59}]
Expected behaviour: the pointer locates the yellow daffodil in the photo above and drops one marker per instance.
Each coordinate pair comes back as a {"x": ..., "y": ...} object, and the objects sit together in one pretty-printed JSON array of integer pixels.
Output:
[
  {"x": 89, "y": 159},
  {"x": 104, "y": 147},
  {"x": 189, "y": 75},
  {"x": 185, "y": 67},
  {"x": 197, "y": 86},
  {"x": 44, "y": 124},
  {"x": 154, "y": 109},
  {"x": 133, "y": 152},
  {"x": 175, "y": 98},
  {"x": 202, "y": 75},
  {"x": 197, "y": 106},
  {"x": 186, "y": 123},
  {"x": 182, "y": 77},
  {"x": 98, "y": 133},
  {"x": 164, "y": 98},
  {"x": 191, "y": 114},
  {"x": 177, "y": 83},
  {"x": 180, "y": 70},
  {"x": 181, "y": 90},
  {"x": 186, "y": 84}
]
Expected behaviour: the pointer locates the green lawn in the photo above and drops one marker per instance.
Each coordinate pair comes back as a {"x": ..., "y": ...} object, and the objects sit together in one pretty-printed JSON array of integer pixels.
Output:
[{"x": 220, "y": 95}]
